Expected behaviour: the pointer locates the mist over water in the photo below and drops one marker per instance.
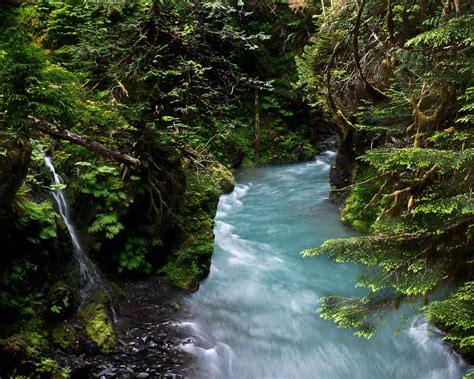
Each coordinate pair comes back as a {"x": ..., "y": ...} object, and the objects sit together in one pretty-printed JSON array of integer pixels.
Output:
[{"x": 254, "y": 317}]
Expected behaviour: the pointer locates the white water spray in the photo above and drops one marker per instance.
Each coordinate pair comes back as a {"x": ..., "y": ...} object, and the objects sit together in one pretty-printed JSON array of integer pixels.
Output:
[{"x": 254, "y": 316}]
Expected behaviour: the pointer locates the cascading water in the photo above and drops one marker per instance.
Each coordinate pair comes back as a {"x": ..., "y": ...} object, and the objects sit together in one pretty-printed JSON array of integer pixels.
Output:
[
  {"x": 89, "y": 275},
  {"x": 254, "y": 317}
]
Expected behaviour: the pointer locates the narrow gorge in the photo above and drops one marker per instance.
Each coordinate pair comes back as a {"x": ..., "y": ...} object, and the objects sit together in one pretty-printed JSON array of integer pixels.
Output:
[{"x": 263, "y": 189}]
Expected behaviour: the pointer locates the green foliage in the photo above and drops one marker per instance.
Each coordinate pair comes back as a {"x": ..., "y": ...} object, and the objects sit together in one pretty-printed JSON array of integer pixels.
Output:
[
  {"x": 412, "y": 159},
  {"x": 348, "y": 313},
  {"x": 456, "y": 316},
  {"x": 449, "y": 31},
  {"x": 37, "y": 215},
  {"x": 30, "y": 84},
  {"x": 64, "y": 336},
  {"x": 103, "y": 183},
  {"x": 412, "y": 185},
  {"x": 48, "y": 366},
  {"x": 467, "y": 108},
  {"x": 134, "y": 256}
]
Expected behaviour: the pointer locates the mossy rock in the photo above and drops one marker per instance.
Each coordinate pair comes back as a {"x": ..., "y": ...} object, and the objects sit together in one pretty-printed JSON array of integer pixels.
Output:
[
  {"x": 14, "y": 352},
  {"x": 117, "y": 291},
  {"x": 64, "y": 336},
  {"x": 97, "y": 323},
  {"x": 191, "y": 263},
  {"x": 186, "y": 278},
  {"x": 223, "y": 177}
]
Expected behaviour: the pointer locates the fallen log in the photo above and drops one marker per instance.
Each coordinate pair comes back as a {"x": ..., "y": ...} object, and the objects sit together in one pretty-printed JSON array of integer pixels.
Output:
[{"x": 97, "y": 147}]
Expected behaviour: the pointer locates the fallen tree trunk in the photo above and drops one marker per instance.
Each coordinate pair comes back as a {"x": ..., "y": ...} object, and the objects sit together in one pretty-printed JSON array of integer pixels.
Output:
[{"x": 97, "y": 147}]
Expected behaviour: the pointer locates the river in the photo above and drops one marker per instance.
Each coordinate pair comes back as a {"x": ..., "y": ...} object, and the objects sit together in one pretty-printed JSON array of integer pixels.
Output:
[{"x": 254, "y": 316}]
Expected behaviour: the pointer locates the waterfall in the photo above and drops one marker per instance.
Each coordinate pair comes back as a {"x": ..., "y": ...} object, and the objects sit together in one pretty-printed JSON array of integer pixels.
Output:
[{"x": 88, "y": 272}]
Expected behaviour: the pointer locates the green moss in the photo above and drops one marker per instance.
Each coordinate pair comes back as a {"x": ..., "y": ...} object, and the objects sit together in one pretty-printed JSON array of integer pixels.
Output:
[
  {"x": 97, "y": 324},
  {"x": 186, "y": 278},
  {"x": 355, "y": 212},
  {"x": 48, "y": 367},
  {"x": 15, "y": 348},
  {"x": 190, "y": 261},
  {"x": 222, "y": 177},
  {"x": 280, "y": 145},
  {"x": 64, "y": 336},
  {"x": 117, "y": 290}
]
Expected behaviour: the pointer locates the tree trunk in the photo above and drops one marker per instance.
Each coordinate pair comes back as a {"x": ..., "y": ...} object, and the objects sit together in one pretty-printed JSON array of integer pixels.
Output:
[
  {"x": 96, "y": 147},
  {"x": 13, "y": 168},
  {"x": 457, "y": 7},
  {"x": 341, "y": 121},
  {"x": 389, "y": 21},
  {"x": 446, "y": 7},
  {"x": 374, "y": 93},
  {"x": 257, "y": 125}
]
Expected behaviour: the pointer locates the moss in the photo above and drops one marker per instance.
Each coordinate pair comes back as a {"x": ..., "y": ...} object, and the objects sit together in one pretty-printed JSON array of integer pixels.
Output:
[
  {"x": 14, "y": 350},
  {"x": 222, "y": 177},
  {"x": 64, "y": 336},
  {"x": 186, "y": 278},
  {"x": 97, "y": 323},
  {"x": 48, "y": 367},
  {"x": 118, "y": 292},
  {"x": 190, "y": 261}
]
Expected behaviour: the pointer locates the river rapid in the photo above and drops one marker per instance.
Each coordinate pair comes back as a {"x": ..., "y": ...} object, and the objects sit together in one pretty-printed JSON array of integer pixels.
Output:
[{"x": 254, "y": 317}]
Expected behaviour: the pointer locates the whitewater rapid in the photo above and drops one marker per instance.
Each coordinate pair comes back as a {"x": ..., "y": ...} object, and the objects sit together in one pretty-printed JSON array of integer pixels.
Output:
[{"x": 254, "y": 317}]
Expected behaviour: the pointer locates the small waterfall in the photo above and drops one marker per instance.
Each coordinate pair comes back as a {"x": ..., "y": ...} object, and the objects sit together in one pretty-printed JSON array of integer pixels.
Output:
[{"x": 89, "y": 275}]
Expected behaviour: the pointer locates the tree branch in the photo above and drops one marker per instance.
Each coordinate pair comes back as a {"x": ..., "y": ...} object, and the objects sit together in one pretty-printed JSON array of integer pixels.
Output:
[
  {"x": 374, "y": 93},
  {"x": 94, "y": 146}
]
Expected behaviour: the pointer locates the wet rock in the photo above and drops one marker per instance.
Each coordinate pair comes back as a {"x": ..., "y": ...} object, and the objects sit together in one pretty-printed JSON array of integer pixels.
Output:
[
  {"x": 98, "y": 325},
  {"x": 148, "y": 336}
]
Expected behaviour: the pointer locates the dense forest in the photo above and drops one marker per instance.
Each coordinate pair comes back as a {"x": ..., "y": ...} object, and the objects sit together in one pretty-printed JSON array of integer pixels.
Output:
[{"x": 147, "y": 109}]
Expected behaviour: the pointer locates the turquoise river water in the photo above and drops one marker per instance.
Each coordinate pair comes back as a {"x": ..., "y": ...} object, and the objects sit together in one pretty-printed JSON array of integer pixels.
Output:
[{"x": 254, "y": 317}]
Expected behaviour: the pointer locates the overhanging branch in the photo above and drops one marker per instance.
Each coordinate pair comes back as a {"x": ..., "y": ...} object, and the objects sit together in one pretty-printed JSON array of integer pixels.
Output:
[{"x": 94, "y": 146}]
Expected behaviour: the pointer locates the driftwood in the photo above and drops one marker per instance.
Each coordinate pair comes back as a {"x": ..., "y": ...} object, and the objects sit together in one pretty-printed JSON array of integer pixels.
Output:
[{"x": 94, "y": 146}]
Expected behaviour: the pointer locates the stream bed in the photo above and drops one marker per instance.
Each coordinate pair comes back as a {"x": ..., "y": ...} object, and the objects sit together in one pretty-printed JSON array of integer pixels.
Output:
[{"x": 254, "y": 317}]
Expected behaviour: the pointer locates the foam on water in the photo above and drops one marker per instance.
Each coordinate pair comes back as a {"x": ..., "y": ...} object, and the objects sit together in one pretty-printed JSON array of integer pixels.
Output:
[
  {"x": 254, "y": 317},
  {"x": 231, "y": 202},
  {"x": 429, "y": 339}
]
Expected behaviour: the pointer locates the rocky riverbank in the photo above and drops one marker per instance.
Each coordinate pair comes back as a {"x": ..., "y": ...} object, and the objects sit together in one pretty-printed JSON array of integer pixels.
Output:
[{"x": 147, "y": 338}]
